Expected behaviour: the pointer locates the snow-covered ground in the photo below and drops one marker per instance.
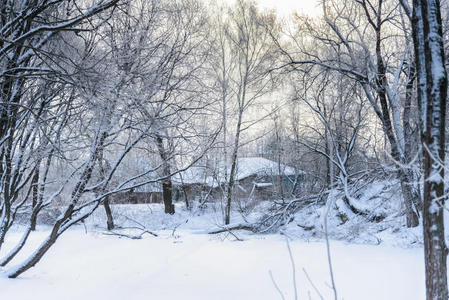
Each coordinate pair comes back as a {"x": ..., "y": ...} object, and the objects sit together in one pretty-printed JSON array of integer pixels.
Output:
[
  {"x": 188, "y": 263},
  {"x": 193, "y": 265}
]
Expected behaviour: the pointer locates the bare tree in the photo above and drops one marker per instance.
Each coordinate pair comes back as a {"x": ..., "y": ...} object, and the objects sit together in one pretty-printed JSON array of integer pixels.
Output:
[
  {"x": 29, "y": 29},
  {"x": 120, "y": 98},
  {"x": 244, "y": 78},
  {"x": 348, "y": 49},
  {"x": 339, "y": 117}
]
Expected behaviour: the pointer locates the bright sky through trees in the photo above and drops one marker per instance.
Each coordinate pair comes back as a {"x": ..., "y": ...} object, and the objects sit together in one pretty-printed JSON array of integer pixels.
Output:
[{"x": 286, "y": 7}]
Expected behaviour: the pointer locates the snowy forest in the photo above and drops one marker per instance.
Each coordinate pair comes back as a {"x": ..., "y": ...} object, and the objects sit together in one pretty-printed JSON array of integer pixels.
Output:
[{"x": 200, "y": 149}]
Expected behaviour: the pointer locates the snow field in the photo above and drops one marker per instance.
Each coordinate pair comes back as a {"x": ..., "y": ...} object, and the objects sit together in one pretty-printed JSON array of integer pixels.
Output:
[{"x": 193, "y": 265}]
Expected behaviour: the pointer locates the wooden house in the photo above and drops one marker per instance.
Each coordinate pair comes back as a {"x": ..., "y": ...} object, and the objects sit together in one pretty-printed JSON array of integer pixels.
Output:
[
  {"x": 256, "y": 178},
  {"x": 149, "y": 193}
]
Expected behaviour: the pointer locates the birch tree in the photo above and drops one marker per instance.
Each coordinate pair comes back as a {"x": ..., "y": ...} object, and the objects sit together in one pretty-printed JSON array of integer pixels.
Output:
[{"x": 246, "y": 54}]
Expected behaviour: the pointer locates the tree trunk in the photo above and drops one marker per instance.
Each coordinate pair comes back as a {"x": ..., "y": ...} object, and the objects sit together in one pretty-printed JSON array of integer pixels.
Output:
[
  {"x": 35, "y": 187},
  {"x": 329, "y": 165},
  {"x": 110, "y": 219},
  {"x": 35, "y": 258},
  {"x": 167, "y": 195},
  {"x": 166, "y": 183},
  {"x": 279, "y": 165},
  {"x": 428, "y": 39},
  {"x": 23, "y": 240},
  {"x": 231, "y": 182},
  {"x": 186, "y": 198},
  {"x": 104, "y": 168},
  {"x": 408, "y": 195},
  {"x": 230, "y": 187},
  {"x": 38, "y": 192},
  {"x": 410, "y": 138}
]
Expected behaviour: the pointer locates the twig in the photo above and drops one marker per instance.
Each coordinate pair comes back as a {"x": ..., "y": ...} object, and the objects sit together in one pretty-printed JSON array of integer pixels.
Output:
[
  {"x": 177, "y": 225},
  {"x": 85, "y": 228},
  {"x": 313, "y": 285},
  {"x": 329, "y": 204},
  {"x": 275, "y": 285},
  {"x": 292, "y": 261},
  {"x": 234, "y": 235}
]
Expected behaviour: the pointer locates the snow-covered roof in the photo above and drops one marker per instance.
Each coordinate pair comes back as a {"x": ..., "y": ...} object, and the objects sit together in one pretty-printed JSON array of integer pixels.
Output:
[
  {"x": 135, "y": 165},
  {"x": 192, "y": 175},
  {"x": 249, "y": 166},
  {"x": 246, "y": 167},
  {"x": 149, "y": 188}
]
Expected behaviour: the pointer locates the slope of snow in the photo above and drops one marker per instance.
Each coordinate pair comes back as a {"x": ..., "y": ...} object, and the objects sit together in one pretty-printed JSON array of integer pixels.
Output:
[{"x": 379, "y": 198}]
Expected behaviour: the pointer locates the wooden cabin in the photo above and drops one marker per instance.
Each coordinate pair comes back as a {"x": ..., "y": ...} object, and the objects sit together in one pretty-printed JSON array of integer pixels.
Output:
[
  {"x": 256, "y": 178},
  {"x": 149, "y": 193}
]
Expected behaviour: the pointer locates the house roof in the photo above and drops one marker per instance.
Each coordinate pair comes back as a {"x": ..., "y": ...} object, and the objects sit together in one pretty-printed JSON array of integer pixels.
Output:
[
  {"x": 192, "y": 175},
  {"x": 249, "y": 166},
  {"x": 246, "y": 167},
  {"x": 149, "y": 188},
  {"x": 135, "y": 165}
]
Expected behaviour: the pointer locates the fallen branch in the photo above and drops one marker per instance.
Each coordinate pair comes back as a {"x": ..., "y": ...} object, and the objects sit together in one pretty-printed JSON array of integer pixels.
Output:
[
  {"x": 283, "y": 214},
  {"x": 306, "y": 228},
  {"x": 130, "y": 236},
  {"x": 233, "y": 227}
]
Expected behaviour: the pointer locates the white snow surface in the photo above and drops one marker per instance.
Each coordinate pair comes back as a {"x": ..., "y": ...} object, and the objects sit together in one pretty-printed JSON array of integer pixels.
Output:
[
  {"x": 199, "y": 266},
  {"x": 188, "y": 263}
]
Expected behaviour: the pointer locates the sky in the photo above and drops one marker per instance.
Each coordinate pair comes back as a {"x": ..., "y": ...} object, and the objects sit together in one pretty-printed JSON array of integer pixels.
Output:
[{"x": 286, "y": 7}]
